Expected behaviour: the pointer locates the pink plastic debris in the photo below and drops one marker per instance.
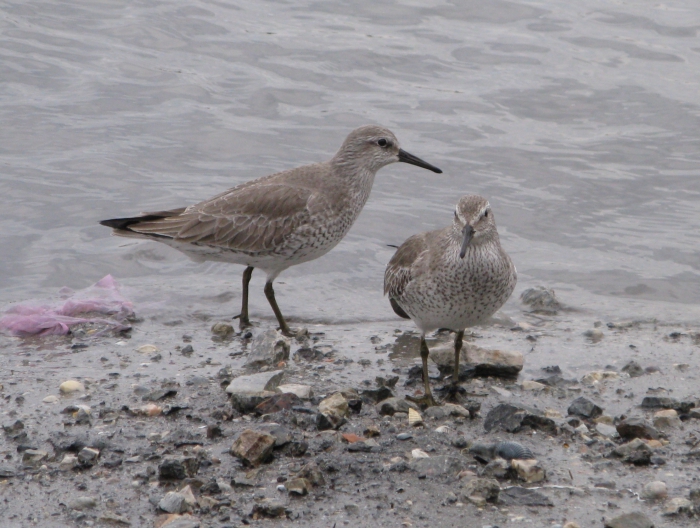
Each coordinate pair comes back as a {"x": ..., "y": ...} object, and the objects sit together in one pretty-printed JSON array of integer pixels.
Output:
[{"x": 57, "y": 318}]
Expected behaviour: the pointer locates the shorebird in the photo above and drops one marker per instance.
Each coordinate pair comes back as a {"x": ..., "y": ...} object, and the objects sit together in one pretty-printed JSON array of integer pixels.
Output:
[
  {"x": 280, "y": 220},
  {"x": 451, "y": 278}
]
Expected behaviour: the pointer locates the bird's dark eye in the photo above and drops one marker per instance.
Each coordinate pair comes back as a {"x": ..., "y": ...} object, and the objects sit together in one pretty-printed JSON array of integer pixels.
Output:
[
  {"x": 382, "y": 142},
  {"x": 486, "y": 214}
]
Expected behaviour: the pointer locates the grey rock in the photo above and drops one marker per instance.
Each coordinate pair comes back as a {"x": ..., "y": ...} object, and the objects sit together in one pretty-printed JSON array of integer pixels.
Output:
[
  {"x": 634, "y": 369},
  {"x": 636, "y": 452},
  {"x": 312, "y": 473},
  {"x": 663, "y": 402},
  {"x": 324, "y": 422},
  {"x": 256, "y": 383},
  {"x": 269, "y": 508},
  {"x": 512, "y": 418},
  {"x": 7, "y": 472},
  {"x": 498, "y": 468},
  {"x": 438, "y": 465},
  {"x": 606, "y": 430},
  {"x": 173, "y": 502},
  {"x": 34, "y": 457},
  {"x": 655, "y": 490},
  {"x": 630, "y": 520},
  {"x": 267, "y": 350},
  {"x": 404, "y": 436},
  {"x": 298, "y": 486},
  {"x": 253, "y": 447},
  {"x": 677, "y": 506},
  {"x": 82, "y": 503},
  {"x": 584, "y": 408},
  {"x": 541, "y": 300},
  {"x": 160, "y": 394},
  {"x": 631, "y": 428},
  {"x": 517, "y": 496},
  {"x": 484, "y": 489}
]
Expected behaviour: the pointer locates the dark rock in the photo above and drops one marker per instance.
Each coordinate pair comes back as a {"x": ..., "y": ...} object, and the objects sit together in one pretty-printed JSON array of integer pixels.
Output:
[
  {"x": 377, "y": 395},
  {"x": 112, "y": 462},
  {"x": 187, "y": 350},
  {"x": 631, "y": 428},
  {"x": 387, "y": 382},
  {"x": 15, "y": 431},
  {"x": 390, "y": 406},
  {"x": 253, "y": 447},
  {"x": 7, "y": 472},
  {"x": 497, "y": 468},
  {"x": 312, "y": 473},
  {"x": 541, "y": 300},
  {"x": 504, "y": 450},
  {"x": 630, "y": 520},
  {"x": 329, "y": 421},
  {"x": 172, "y": 469},
  {"x": 634, "y": 369},
  {"x": 513, "y": 419},
  {"x": 438, "y": 465},
  {"x": 298, "y": 449},
  {"x": 584, "y": 408},
  {"x": 277, "y": 403},
  {"x": 355, "y": 404},
  {"x": 214, "y": 431},
  {"x": 663, "y": 402},
  {"x": 557, "y": 381},
  {"x": 181, "y": 437},
  {"x": 281, "y": 435},
  {"x": 636, "y": 452},
  {"x": 211, "y": 487},
  {"x": 517, "y": 496},
  {"x": 160, "y": 394},
  {"x": 88, "y": 456},
  {"x": 268, "y": 508},
  {"x": 552, "y": 369}
]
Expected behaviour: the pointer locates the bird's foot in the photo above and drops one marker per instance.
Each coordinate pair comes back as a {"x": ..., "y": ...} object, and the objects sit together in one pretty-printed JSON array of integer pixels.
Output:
[
  {"x": 294, "y": 332},
  {"x": 243, "y": 322},
  {"x": 424, "y": 401},
  {"x": 452, "y": 392}
]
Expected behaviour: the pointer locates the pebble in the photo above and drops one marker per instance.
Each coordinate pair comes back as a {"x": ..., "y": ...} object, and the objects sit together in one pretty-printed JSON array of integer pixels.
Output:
[
  {"x": 666, "y": 419},
  {"x": 82, "y": 503},
  {"x": 50, "y": 399},
  {"x": 443, "y": 429},
  {"x": 584, "y": 408},
  {"x": 147, "y": 349},
  {"x": 541, "y": 300},
  {"x": 634, "y": 427},
  {"x": 70, "y": 386},
  {"x": 253, "y": 447},
  {"x": 594, "y": 334},
  {"x": 303, "y": 392},
  {"x": 530, "y": 385},
  {"x": 607, "y": 430},
  {"x": 268, "y": 349},
  {"x": 173, "y": 502},
  {"x": 222, "y": 330},
  {"x": 528, "y": 470},
  {"x": 419, "y": 453},
  {"x": 676, "y": 506},
  {"x": 599, "y": 375},
  {"x": 335, "y": 405},
  {"x": 404, "y": 436},
  {"x": 298, "y": 486},
  {"x": 655, "y": 490}
]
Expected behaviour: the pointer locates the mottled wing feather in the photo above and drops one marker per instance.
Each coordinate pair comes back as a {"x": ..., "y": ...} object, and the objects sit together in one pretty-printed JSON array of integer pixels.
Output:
[
  {"x": 399, "y": 270},
  {"x": 250, "y": 218}
]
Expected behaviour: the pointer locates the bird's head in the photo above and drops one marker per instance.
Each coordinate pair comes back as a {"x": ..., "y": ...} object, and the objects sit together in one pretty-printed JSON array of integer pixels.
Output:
[{"x": 474, "y": 221}]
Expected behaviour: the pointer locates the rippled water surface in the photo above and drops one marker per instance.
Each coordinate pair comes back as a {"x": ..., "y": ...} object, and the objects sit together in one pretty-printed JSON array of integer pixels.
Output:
[{"x": 579, "y": 120}]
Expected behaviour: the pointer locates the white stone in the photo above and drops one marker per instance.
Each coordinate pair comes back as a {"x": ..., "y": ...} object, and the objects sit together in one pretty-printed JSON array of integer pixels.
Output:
[
  {"x": 304, "y": 392},
  {"x": 419, "y": 453},
  {"x": 655, "y": 490},
  {"x": 50, "y": 399},
  {"x": 70, "y": 386},
  {"x": 255, "y": 383},
  {"x": 147, "y": 349},
  {"x": 531, "y": 385}
]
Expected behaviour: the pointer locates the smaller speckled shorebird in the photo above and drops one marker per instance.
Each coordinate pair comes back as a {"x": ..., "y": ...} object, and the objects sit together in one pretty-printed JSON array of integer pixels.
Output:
[
  {"x": 451, "y": 278},
  {"x": 280, "y": 220}
]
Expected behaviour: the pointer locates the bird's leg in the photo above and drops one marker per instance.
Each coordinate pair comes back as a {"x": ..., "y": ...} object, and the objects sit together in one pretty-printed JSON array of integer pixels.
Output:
[
  {"x": 427, "y": 399},
  {"x": 247, "y": 275},
  {"x": 453, "y": 390},
  {"x": 270, "y": 294},
  {"x": 458, "y": 350}
]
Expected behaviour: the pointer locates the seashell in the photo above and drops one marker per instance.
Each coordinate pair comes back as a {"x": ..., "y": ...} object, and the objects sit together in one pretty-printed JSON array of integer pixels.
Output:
[
  {"x": 414, "y": 417},
  {"x": 511, "y": 450}
]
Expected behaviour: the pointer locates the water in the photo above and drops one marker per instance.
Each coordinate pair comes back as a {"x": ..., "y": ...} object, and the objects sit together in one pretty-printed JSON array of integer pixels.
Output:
[{"x": 579, "y": 120}]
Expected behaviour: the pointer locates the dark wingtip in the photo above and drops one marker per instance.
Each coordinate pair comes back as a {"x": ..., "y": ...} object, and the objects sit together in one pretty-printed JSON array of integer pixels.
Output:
[{"x": 397, "y": 309}]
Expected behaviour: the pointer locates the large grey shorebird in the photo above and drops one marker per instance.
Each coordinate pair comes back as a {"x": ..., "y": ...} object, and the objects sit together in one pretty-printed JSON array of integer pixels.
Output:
[
  {"x": 451, "y": 278},
  {"x": 280, "y": 220}
]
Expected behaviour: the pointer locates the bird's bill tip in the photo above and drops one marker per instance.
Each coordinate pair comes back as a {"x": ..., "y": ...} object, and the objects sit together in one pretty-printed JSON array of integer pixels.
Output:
[{"x": 406, "y": 157}]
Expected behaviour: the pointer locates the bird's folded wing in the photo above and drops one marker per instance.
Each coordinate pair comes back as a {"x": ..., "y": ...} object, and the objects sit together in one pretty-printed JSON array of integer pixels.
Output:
[
  {"x": 250, "y": 218},
  {"x": 402, "y": 266}
]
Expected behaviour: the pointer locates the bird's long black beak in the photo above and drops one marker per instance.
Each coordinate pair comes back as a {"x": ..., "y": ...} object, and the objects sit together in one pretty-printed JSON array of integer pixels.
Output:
[
  {"x": 468, "y": 232},
  {"x": 413, "y": 160}
]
